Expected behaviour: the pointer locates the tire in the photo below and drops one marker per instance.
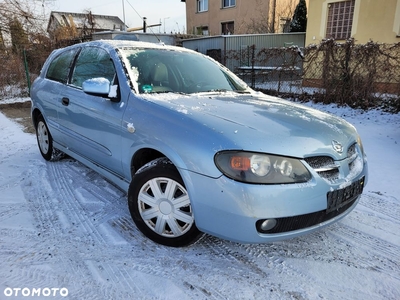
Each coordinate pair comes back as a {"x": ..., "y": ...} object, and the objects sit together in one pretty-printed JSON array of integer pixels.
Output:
[
  {"x": 160, "y": 205},
  {"x": 44, "y": 139}
]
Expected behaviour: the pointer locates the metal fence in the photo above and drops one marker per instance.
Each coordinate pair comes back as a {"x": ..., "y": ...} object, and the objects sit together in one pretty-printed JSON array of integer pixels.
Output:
[
  {"x": 362, "y": 76},
  {"x": 226, "y": 48}
]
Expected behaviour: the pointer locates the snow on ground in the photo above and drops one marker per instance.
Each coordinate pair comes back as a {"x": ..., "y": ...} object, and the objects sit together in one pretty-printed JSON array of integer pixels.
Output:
[{"x": 65, "y": 230}]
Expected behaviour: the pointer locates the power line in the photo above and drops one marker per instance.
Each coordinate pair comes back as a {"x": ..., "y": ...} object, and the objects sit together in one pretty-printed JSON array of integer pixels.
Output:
[
  {"x": 143, "y": 20},
  {"x": 134, "y": 9}
]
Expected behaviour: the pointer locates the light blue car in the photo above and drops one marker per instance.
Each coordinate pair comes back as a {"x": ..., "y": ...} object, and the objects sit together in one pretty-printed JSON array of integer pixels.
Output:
[{"x": 196, "y": 149}]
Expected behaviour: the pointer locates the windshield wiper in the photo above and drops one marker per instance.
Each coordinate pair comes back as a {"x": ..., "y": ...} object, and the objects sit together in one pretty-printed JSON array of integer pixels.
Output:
[
  {"x": 165, "y": 92},
  {"x": 225, "y": 90},
  {"x": 242, "y": 91},
  {"x": 218, "y": 90},
  {"x": 212, "y": 91}
]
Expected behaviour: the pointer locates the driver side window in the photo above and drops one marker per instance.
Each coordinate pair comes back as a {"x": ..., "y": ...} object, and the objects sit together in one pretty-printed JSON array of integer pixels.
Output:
[{"x": 92, "y": 62}]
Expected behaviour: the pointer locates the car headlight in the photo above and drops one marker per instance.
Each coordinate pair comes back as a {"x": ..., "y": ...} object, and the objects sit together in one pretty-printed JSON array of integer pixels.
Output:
[{"x": 261, "y": 168}]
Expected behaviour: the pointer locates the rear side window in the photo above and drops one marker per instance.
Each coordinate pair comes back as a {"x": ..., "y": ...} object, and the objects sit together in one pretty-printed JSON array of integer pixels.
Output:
[
  {"x": 59, "y": 68},
  {"x": 92, "y": 62}
]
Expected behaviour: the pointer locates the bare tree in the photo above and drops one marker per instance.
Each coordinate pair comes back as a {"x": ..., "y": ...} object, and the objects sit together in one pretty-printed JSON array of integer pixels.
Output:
[
  {"x": 88, "y": 23},
  {"x": 24, "y": 11},
  {"x": 23, "y": 41},
  {"x": 19, "y": 37}
]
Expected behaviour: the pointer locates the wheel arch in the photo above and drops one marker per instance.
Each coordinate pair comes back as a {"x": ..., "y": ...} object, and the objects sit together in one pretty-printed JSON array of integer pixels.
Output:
[
  {"x": 35, "y": 115},
  {"x": 147, "y": 154},
  {"x": 142, "y": 157}
]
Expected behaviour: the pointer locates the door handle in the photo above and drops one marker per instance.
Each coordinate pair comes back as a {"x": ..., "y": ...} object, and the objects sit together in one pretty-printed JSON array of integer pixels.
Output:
[{"x": 65, "y": 101}]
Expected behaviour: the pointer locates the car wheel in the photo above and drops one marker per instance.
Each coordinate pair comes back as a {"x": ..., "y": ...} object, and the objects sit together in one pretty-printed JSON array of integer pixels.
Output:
[
  {"x": 160, "y": 205},
  {"x": 44, "y": 139}
]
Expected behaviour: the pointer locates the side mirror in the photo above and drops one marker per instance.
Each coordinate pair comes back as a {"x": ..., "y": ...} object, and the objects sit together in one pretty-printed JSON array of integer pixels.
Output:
[{"x": 97, "y": 86}]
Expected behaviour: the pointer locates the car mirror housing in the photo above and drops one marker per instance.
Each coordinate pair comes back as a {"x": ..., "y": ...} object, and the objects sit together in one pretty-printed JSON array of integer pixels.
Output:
[{"x": 97, "y": 86}]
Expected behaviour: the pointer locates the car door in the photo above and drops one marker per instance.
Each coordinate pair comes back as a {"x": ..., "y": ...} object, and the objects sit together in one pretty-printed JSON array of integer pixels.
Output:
[
  {"x": 53, "y": 84},
  {"x": 91, "y": 124}
]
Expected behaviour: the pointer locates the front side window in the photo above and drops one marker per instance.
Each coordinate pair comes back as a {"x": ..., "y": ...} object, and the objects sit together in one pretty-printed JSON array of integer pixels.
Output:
[
  {"x": 92, "y": 63},
  {"x": 340, "y": 20},
  {"x": 59, "y": 68},
  {"x": 202, "y": 5},
  {"x": 228, "y": 3}
]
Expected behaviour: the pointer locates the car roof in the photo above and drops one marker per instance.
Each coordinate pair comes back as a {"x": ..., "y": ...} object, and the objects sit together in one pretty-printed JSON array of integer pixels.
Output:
[{"x": 124, "y": 44}]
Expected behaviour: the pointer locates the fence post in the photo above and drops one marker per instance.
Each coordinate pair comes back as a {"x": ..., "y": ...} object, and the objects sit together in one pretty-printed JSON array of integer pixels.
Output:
[
  {"x": 253, "y": 75},
  {"x": 27, "y": 72}
]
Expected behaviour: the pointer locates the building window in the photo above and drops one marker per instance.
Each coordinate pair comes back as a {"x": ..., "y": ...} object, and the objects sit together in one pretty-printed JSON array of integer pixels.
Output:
[
  {"x": 228, "y": 28},
  {"x": 228, "y": 3},
  {"x": 202, "y": 5},
  {"x": 340, "y": 20},
  {"x": 202, "y": 30}
]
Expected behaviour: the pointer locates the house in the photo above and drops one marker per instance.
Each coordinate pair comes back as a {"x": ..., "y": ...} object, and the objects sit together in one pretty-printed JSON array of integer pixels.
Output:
[
  {"x": 354, "y": 49},
  {"x": 363, "y": 20},
  {"x": 226, "y": 17},
  {"x": 69, "y": 25}
]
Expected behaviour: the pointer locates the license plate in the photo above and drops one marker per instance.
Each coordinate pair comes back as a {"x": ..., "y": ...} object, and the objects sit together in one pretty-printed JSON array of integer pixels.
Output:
[{"x": 341, "y": 197}]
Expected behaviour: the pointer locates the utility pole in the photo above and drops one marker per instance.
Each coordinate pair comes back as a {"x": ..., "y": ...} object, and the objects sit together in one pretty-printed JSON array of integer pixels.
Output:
[
  {"x": 273, "y": 16},
  {"x": 123, "y": 13}
]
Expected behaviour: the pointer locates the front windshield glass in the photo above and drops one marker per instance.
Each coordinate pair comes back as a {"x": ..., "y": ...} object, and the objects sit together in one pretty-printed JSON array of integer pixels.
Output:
[{"x": 166, "y": 70}]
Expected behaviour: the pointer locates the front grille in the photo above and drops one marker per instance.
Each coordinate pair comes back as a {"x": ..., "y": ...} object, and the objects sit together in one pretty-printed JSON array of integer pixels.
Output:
[
  {"x": 325, "y": 167},
  {"x": 328, "y": 169},
  {"x": 319, "y": 162}
]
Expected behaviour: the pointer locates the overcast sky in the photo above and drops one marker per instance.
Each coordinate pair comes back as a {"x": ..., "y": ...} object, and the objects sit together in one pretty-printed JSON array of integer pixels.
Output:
[{"x": 171, "y": 13}]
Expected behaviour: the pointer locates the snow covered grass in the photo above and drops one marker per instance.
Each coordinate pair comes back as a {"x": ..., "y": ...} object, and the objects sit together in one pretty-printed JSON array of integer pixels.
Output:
[{"x": 12, "y": 92}]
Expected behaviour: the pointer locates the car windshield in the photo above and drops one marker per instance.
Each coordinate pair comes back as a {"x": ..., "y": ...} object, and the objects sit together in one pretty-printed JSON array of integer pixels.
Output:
[{"x": 166, "y": 70}]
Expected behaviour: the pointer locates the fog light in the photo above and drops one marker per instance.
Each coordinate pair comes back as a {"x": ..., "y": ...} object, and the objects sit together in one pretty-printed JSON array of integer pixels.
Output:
[{"x": 265, "y": 225}]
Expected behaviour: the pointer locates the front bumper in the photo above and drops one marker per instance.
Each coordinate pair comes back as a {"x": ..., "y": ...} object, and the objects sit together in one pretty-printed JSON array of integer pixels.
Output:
[{"x": 232, "y": 210}]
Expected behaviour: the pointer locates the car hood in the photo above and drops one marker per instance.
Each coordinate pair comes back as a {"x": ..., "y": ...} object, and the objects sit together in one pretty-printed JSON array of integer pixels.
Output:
[{"x": 262, "y": 123}]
